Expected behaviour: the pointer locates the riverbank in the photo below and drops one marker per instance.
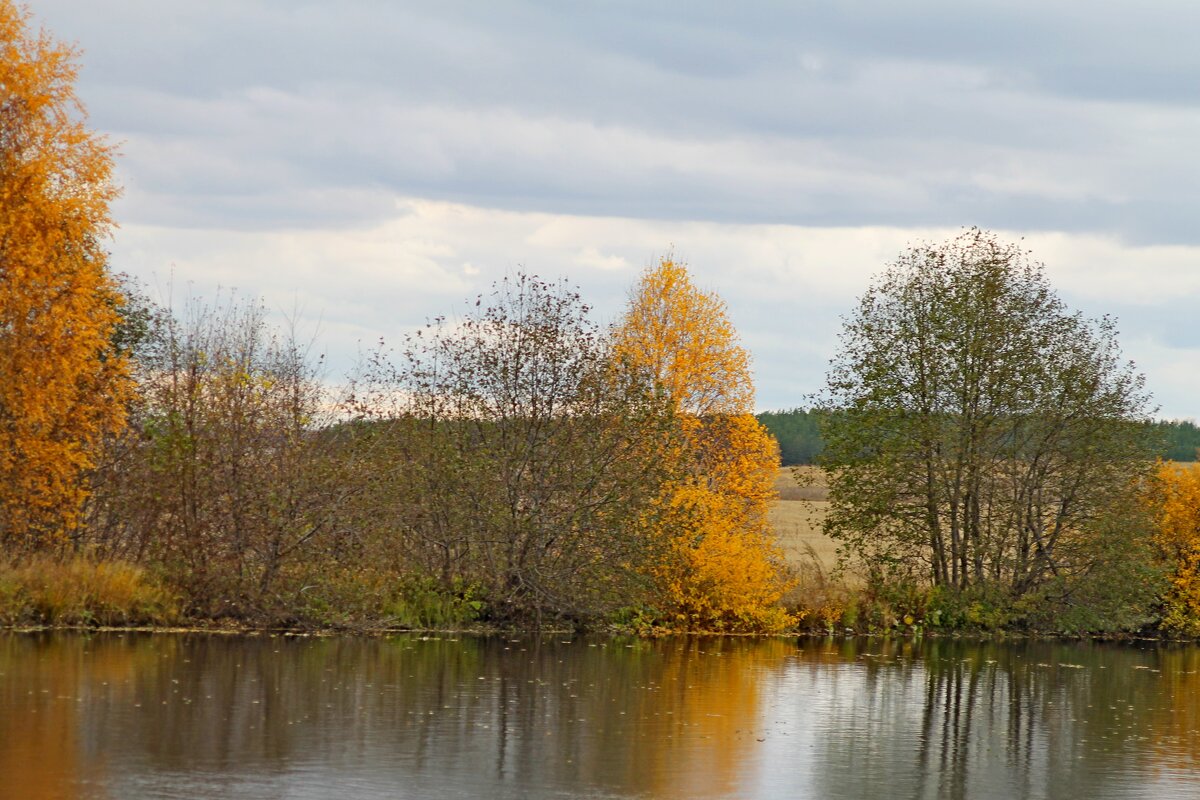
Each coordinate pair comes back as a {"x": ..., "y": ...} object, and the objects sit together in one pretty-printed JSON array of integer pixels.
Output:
[
  {"x": 81, "y": 594},
  {"x": 46, "y": 593},
  {"x": 226, "y": 628}
]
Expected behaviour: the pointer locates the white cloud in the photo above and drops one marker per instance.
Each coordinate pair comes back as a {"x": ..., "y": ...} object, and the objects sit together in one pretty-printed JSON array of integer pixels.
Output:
[{"x": 785, "y": 285}]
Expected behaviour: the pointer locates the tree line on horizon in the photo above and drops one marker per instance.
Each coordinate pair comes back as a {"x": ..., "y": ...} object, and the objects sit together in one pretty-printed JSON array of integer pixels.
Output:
[{"x": 798, "y": 432}]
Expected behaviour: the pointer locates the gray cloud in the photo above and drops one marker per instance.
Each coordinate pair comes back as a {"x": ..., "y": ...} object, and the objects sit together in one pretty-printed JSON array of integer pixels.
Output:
[
  {"x": 1009, "y": 114},
  {"x": 279, "y": 145}
]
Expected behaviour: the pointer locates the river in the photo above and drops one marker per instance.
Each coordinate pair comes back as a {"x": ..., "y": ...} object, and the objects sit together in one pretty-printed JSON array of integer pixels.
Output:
[{"x": 138, "y": 715}]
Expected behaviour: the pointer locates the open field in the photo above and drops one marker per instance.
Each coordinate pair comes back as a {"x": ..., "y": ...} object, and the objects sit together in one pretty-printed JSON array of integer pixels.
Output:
[
  {"x": 797, "y": 516},
  {"x": 801, "y": 483}
]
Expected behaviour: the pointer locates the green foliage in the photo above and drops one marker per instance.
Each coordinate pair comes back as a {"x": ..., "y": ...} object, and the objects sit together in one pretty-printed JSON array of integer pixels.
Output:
[
  {"x": 1179, "y": 439},
  {"x": 978, "y": 433},
  {"x": 798, "y": 433},
  {"x": 984, "y": 607},
  {"x": 641, "y": 620},
  {"x": 422, "y": 603}
]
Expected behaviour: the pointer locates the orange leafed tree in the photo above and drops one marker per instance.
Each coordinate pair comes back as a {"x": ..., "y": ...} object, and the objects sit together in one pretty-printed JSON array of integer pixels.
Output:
[
  {"x": 724, "y": 569},
  {"x": 1175, "y": 501},
  {"x": 684, "y": 339},
  {"x": 62, "y": 385}
]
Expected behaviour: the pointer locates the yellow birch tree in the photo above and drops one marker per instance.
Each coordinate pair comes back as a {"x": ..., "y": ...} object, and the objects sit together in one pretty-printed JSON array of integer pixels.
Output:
[
  {"x": 724, "y": 568},
  {"x": 63, "y": 386},
  {"x": 1174, "y": 500}
]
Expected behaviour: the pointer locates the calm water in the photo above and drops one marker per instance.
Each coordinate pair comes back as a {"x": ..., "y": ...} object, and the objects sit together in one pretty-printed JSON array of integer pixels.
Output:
[{"x": 190, "y": 716}]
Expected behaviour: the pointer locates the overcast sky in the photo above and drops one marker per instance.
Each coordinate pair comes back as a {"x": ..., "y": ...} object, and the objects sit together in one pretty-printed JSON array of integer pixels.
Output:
[{"x": 377, "y": 163}]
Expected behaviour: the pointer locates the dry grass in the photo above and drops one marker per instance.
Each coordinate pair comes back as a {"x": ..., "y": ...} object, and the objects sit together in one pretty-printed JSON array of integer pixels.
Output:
[
  {"x": 821, "y": 597},
  {"x": 79, "y": 591},
  {"x": 797, "y": 525},
  {"x": 801, "y": 483},
  {"x": 797, "y": 517}
]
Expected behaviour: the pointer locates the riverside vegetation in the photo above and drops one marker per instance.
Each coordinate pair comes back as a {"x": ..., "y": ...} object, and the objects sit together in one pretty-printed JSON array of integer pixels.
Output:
[{"x": 985, "y": 451}]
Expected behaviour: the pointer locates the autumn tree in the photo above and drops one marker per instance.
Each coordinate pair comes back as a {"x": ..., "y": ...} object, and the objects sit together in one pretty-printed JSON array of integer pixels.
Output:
[
  {"x": 518, "y": 458},
  {"x": 1174, "y": 499},
  {"x": 683, "y": 338},
  {"x": 723, "y": 569},
  {"x": 62, "y": 384},
  {"x": 981, "y": 436},
  {"x": 232, "y": 478}
]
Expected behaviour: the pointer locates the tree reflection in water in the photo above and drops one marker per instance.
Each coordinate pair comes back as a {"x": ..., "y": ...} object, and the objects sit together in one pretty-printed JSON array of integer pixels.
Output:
[
  {"x": 213, "y": 716},
  {"x": 955, "y": 719}
]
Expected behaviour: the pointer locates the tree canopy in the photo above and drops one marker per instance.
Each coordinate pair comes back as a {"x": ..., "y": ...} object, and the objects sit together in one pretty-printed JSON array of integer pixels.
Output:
[
  {"x": 1174, "y": 499},
  {"x": 684, "y": 339},
  {"x": 63, "y": 384},
  {"x": 724, "y": 567},
  {"x": 518, "y": 456},
  {"x": 980, "y": 433}
]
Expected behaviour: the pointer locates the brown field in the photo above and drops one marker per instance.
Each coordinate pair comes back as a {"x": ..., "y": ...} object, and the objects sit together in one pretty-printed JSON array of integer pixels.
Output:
[{"x": 797, "y": 516}]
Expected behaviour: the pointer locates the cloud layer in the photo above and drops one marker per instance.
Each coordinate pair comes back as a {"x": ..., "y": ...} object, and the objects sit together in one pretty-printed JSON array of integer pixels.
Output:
[{"x": 380, "y": 162}]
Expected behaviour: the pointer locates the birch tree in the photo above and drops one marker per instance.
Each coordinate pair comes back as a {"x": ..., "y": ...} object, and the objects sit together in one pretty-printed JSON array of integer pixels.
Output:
[
  {"x": 723, "y": 568},
  {"x": 63, "y": 383}
]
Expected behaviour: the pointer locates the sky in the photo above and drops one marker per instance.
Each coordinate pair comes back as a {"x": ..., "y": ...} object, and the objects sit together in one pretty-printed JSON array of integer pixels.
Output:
[{"x": 364, "y": 165}]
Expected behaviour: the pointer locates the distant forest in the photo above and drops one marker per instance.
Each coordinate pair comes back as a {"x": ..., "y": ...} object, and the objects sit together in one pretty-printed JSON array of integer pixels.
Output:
[{"x": 799, "y": 435}]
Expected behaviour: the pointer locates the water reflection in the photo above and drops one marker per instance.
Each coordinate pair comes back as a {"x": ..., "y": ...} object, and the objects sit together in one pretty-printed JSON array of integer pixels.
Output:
[
  {"x": 1039, "y": 720},
  {"x": 128, "y": 716}
]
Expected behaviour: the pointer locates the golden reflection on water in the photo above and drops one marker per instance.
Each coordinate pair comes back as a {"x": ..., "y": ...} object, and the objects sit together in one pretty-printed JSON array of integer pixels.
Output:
[{"x": 134, "y": 715}]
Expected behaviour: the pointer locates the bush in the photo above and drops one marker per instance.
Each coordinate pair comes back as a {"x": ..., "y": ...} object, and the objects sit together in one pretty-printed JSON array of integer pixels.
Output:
[
  {"x": 420, "y": 603},
  {"x": 817, "y": 600}
]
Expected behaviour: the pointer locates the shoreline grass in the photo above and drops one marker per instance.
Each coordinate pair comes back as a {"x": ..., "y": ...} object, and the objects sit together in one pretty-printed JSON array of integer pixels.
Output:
[{"x": 83, "y": 592}]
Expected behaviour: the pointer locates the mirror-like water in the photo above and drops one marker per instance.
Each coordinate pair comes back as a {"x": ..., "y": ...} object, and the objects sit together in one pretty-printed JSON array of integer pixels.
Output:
[{"x": 193, "y": 716}]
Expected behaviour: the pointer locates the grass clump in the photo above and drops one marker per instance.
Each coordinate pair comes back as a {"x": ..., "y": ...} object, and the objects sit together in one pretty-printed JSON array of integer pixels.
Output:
[{"x": 81, "y": 591}]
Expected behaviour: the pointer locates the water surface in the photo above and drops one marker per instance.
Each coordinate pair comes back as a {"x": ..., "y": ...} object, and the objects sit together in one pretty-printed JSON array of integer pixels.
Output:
[{"x": 200, "y": 716}]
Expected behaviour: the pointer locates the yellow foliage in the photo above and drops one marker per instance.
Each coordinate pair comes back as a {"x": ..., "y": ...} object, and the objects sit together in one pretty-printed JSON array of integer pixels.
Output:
[
  {"x": 1175, "y": 501},
  {"x": 62, "y": 388},
  {"x": 724, "y": 570},
  {"x": 684, "y": 339}
]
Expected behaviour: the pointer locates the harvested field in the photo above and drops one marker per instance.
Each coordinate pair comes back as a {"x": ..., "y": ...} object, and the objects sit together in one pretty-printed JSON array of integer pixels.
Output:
[
  {"x": 798, "y": 514},
  {"x": 797, "y": 523},
  {"x": 801, "y": 483}
]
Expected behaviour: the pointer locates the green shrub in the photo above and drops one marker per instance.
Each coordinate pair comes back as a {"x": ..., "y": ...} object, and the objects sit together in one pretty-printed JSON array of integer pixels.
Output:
[{"x": 421, "y": 603}]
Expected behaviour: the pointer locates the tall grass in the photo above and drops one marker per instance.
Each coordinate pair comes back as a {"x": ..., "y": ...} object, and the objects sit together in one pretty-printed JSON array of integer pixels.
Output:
[
  {"x": 821, "y": 601},
  {"x": 81, "y": 591}
]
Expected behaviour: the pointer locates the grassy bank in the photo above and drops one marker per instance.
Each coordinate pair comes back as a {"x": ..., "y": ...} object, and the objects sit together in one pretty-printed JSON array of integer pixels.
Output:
[
  {"x": 43, "y": 591},
  {"x": 828, "y": 600}
]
